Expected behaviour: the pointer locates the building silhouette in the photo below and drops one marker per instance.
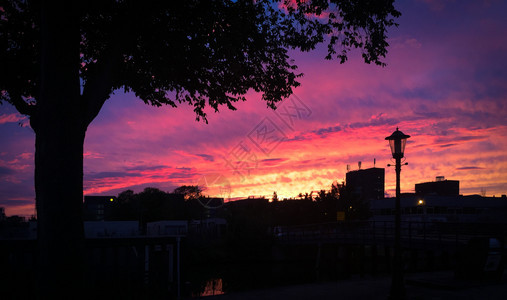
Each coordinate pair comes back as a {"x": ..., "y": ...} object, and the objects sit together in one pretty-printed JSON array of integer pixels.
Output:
[
  {"x": 440, "y": 201},
  {"x": 367, "y": 184},
  {"x": 440, "y": 187},
  {"x": 97, "y": 208}
]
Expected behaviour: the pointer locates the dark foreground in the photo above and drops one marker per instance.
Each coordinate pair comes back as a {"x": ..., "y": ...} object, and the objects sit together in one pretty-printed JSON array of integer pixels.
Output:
[{"x": 429, "y": 285}]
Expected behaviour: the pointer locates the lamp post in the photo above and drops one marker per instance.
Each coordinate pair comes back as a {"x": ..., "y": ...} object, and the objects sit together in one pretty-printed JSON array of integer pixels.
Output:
[{"x": 397, "y": 142}]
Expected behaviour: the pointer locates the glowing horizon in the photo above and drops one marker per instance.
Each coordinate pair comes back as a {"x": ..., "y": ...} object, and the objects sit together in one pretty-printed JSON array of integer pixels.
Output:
[{"x": 445, "y": 85}]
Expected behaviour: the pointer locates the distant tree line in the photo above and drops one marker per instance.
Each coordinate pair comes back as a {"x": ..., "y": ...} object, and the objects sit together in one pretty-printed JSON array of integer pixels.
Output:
[
  {"x": 245, "y": 218},
  {"x": 153, "y": 204}
]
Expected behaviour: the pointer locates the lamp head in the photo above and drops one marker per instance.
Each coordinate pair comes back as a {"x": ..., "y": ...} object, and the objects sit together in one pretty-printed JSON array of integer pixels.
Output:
[{"x": 397, "y": 142}]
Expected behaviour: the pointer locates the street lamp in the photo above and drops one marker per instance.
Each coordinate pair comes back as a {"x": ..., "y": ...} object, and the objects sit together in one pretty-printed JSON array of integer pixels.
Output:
[{"x": 397, "y": 142}]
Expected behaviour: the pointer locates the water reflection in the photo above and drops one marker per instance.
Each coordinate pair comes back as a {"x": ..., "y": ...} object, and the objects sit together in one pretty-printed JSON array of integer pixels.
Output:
[
  {"x": 217, "y": 279},
  {"x": 212, "y": 287}
]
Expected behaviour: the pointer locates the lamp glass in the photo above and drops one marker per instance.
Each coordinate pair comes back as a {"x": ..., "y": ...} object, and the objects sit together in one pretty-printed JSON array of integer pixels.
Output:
[{"x": 397, "y": 142}]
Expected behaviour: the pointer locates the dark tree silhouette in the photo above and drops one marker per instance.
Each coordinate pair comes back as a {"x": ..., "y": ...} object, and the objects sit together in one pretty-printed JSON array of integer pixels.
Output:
[
  {"x": 327, "y": 202},
  {"x": 341, "y": 199},
  {"x": 354, "y": 207},
  {"x": 126, "y": 207},
  {"x": 156, "y": 205},
  {"x": 275, "y": 197},
  {"x": 60, "y": 62},
  {"x": 153, "y": 204},
  {"x": 189, "y": 191}
]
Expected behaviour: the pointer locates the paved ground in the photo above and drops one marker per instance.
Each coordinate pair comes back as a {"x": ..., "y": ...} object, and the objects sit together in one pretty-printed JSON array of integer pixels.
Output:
[{"x": 420, "y": 286}]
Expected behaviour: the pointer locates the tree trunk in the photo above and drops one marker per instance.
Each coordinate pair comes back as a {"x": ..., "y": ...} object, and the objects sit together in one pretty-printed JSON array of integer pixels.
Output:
[
  {"x": 59, "y": 137},
  {"x": 59, "y": 194}
]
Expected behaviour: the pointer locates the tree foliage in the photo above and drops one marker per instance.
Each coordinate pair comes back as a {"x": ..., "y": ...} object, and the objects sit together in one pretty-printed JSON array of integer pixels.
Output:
[
  {"x": 189, "y": 191},
  {"x": 196, "y": 52},
  {"x": 341, "y": 199},
  {"x": 152, "y": 204}
]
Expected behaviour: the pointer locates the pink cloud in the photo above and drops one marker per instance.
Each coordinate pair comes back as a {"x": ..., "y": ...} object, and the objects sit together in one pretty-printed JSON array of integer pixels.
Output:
[{"x": 11, "y": 118}]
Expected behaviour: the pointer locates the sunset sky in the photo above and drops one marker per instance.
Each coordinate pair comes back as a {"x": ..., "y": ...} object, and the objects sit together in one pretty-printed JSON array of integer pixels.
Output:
[{"x": 445, "y": 85}]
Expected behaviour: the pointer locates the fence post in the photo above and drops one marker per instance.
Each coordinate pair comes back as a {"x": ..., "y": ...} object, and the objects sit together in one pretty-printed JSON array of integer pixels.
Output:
[
  {"x": 178, "y": 266},
  {"x": 146, "y": 263},
  {"x": 410, "y": 235},
  {"x": 457, "y": 237},
  {"x": 424, "y": 233}
]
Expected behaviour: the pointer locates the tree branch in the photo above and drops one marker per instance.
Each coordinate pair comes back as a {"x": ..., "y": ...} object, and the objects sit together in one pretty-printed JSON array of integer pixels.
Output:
[
  {"x": 21, "y": 106},
  {"x": 97, "y": 89},
  {"x": 100, "y": 79}
]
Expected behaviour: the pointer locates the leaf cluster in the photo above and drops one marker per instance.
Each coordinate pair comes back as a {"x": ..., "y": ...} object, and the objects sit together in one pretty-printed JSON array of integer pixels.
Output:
[{"x": 203, "y": 53}]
